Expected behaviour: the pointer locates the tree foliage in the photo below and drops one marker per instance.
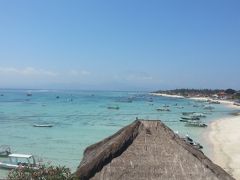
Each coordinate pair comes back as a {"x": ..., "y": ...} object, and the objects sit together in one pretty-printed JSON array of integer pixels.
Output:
[
  {"x": 185, "y": 92},
  {"x": 230, "y": 91}
]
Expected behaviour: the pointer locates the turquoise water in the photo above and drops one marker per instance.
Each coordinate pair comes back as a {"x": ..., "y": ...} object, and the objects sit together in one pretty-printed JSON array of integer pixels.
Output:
[{"x": 81, "y": 118}]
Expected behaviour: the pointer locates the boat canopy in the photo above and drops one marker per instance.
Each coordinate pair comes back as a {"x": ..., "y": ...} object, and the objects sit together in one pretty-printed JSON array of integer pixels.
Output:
[{"x": 20, "y": 155}]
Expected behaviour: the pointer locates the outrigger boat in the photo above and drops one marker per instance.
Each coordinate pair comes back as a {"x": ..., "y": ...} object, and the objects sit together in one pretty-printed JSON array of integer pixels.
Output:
[
  {"x": 213, "y": 102},
  {"x": 194, "y": 114},
  {"x": 190, "y": 141},
  {"x": 190, "y": 118},
  {"x": 200, "y": 115},
  {"x": 113, "y": 107},
  {"x": 29, "y": 93},
  {"x": 125, "y": 100},
  {"x": 195, "y": 124},
  {"x": 19, "y": 160},
  {"x": 208, "y": 107},
  {"x": 5, "y": 150},
  {"x": 43, "y": 125},
  {"x": 163, "y": 109},
  {"x": 188, "y": 113},
  {"x": 180, "y": 107}
]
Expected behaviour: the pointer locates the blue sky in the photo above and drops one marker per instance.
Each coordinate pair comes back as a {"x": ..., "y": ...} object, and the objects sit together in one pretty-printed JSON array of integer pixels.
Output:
[{"x": 119, "y": 45}]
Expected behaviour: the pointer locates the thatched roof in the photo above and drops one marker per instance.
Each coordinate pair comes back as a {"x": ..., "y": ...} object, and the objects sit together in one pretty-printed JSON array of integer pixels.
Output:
[{"x": 146, "y": 150}]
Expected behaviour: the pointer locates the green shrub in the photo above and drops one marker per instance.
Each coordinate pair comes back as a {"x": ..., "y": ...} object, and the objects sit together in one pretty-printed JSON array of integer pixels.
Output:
[{"x": 41, "y": 173}]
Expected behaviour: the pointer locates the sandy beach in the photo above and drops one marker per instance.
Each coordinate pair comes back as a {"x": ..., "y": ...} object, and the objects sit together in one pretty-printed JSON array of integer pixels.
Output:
[
  {"x": 166, "y": 95},
  {"x": 225, "y": 137},
  {"x": 227, "y": 103}
]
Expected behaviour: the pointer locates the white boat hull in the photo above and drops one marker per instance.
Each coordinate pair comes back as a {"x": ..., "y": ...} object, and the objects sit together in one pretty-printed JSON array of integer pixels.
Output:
[{"x": 8, "y": 166}]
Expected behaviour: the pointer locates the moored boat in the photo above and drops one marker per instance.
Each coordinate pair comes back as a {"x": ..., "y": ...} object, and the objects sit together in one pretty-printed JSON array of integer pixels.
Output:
[
  {"x": 208, "y": 107},
  {"x": 195, "y": 124},
  {"x": 192, "y": 142},
  {"x": 19, "y": 160},
  {"x": 113, "y": 107},
  {"x": 179, "y": 107},
  {"x": 43, "y": 125},
  {"x": 163, "y": 109},
  {"x": 187, "y": 113},
  {"x": 190, "y": 118},
  {"x": 213, "y": 102},
  {"x": 5, "y": 150},
  {"x": 200, "y": 115},
  {"x": 236, "y": 103},
  {"x": 29, "y": 93}
]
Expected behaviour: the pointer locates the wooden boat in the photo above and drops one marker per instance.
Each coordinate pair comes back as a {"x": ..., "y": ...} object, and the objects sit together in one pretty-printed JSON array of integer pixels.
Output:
[
  {"x": 113, "y": 107},
  {"x": 29, "y": 94},
  {"x": 43, "y": 125},
  {"x": 208, "y": 107},
  {"x": 190, "y": 141},
  {"x": 180, "y": 107},
  {"x": 190, "y": 118},
  {"x": 213, "y": 102},
  {"x": 150, "y": 100},
  {"x": 183, "y": 120},
  {"x": 236, "y": 103},
  {"x": 128, "y": 100},
  {"x": 195, "y": 124},
  {"x": 163, "y": 109},
  {"x": 195, "y": 105},
  {"x": 200, "y": 115},
  {"x": 187, "y": 113},
  {"x": 19, "y": 160},
  {"x": 5, "y": 150}
]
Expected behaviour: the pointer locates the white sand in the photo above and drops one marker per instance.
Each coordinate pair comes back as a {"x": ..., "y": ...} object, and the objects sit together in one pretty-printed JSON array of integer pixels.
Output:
[
  {"x": 227, "y": 103},
  {"x": 225, "y": 137},
  {"x": 166, "y": 95},
  {"x": 200, "y": 98}
]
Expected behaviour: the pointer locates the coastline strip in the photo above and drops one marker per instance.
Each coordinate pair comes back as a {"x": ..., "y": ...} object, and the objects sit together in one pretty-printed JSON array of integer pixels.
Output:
[
  {"x": 225, "y": 138},
  {"x": 166, "y": 95}
]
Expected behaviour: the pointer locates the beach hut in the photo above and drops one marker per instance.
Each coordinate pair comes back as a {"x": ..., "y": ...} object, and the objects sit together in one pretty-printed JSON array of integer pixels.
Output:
[{"x": 147, "y": 150}]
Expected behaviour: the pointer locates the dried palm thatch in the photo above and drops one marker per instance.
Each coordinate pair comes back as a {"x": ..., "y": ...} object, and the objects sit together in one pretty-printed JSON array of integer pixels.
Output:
[{"x": 146, "y": 150}]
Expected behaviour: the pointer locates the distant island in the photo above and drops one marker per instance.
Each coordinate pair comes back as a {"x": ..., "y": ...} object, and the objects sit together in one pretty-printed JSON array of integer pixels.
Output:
[{"x": 221, "y": 94}]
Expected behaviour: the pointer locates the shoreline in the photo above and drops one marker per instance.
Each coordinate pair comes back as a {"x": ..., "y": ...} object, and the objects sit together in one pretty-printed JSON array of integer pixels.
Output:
[
  {"x": 227, "y": 103},
  {"x": 167, "y": 95},
  {"x": 225, "y": 138}
]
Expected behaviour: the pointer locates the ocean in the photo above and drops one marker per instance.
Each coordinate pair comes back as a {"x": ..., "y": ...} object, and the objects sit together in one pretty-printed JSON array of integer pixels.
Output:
[{"x": 81, "y": 118}]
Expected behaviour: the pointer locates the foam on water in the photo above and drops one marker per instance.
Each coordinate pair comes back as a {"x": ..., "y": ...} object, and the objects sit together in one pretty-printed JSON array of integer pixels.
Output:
[{"x": 81, "y": 118}]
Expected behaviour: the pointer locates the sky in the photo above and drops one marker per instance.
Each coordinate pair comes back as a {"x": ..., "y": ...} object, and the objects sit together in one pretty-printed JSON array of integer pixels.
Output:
[{"x": 119, "y": 45}]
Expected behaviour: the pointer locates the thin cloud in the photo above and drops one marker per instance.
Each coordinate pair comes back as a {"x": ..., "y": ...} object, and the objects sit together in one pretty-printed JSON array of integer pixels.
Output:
[
  {"x": 79, "y": 72},
  {"x": 37, "y": 78},
  {"x": 138, "y": 76},
  {"x": 31, "y": 71},
  {"x": 27, "y": 71}
]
